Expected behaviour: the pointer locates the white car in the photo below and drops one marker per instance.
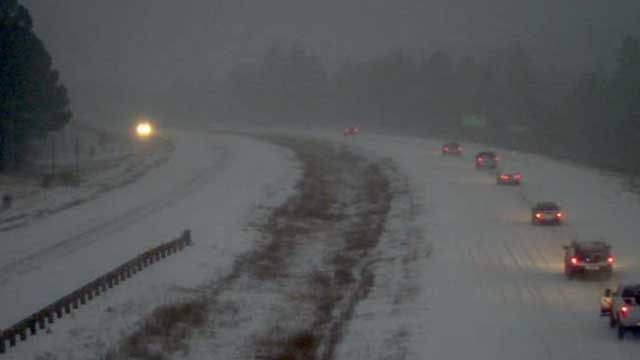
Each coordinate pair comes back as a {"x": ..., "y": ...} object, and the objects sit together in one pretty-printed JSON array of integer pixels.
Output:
[{"x": 623, "y": 308}]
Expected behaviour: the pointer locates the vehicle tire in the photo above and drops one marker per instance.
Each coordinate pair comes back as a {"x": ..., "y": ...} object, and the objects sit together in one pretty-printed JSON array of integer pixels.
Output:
[
  {"x": 568, "y": 273},
  {"x": 612, "y": 321},
  {"x": 621, "y": 331},
  {"x": 608, "y": 274}
]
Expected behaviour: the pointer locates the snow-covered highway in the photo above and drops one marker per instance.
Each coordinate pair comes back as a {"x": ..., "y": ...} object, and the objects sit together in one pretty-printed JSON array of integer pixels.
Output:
[
  {"x": 493, "y": 285},
  {"x": 459, "y": 272}
]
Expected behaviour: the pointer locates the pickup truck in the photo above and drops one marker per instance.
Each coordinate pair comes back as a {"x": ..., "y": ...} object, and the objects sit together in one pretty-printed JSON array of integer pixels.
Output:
[{"x": 622, "y": 306}]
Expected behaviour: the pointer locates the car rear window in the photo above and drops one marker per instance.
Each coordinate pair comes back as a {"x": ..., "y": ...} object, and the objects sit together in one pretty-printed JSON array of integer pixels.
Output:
[
  {"x": 631, "y": 291},
  {"x": 487, "y": 155},
  {"x": 595, "y": 255},
  {"x": 548, "y": 207}
]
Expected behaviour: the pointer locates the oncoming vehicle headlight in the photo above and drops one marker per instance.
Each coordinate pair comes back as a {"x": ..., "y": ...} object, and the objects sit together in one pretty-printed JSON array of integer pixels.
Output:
[{"x": 144, "y": 129}]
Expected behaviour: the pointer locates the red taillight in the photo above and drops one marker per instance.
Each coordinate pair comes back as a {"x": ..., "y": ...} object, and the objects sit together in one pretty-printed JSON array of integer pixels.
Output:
[
  {"x": 538, "y": 215},
  {"x": 611, "y": 260},
  {"x": 559, "y": 214},
  {"x": 624, "y": 310},
  {"x": 575, "y": 261},
  {"x": 504, "y": 177},
  {"x": 479, "y": 159},
  {"x": 518, "y": 176}
]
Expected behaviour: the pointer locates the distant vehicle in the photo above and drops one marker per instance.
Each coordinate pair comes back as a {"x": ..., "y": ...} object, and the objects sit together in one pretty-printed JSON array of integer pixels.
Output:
[
  {"x": 452, "y": 148},
  {"x": 547, "y": 213},
  {"x": 486, "y": 160},
  {"x": 351, "y": 131},
  {"x": 588, "y": 257},
  {"x": 623, "y": 308},
  {"x": 508, "y": 178}
]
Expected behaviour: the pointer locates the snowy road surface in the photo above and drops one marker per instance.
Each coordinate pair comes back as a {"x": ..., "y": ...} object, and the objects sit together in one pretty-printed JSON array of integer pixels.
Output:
[
  {"x": 461, "y": 272},
  {"x": 493, "y": 285},
  {"x": 210, "y": 185}
]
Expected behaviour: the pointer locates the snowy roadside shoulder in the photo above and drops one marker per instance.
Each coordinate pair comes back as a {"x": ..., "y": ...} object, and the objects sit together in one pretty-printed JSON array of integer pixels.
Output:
[
  {"x": 35, "y": 200},
  {"x": 217, "y": 213}
]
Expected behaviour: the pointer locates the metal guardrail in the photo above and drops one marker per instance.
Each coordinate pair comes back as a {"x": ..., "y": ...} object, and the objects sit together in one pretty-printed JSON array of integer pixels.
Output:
[{"x": 37, "y": 321}]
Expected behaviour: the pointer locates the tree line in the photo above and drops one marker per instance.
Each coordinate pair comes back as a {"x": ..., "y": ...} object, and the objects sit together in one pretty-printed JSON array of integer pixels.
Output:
[
  {"x": 502, "y": 99},
  {"x": 32, "y": 100}
]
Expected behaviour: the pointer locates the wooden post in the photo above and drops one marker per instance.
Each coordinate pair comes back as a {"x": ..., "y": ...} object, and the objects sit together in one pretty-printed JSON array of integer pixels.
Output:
[
  {"x": 53, "y": 156},
  {"x": 33, "y": 325},
  {"x": 77, "y": 154},
  {"x": 186, "y": 235}
]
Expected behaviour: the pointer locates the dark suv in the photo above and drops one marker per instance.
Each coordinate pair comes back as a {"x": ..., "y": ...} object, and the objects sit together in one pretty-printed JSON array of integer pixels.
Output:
[
  {"x": 588, "y": 257},
  {"x": 486, "y": 160},
  {"x": 547, "y": 213}
]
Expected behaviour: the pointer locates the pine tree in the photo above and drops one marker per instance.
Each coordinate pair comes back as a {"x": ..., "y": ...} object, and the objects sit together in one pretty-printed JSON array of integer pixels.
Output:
[{"x": 31, "y": 99}]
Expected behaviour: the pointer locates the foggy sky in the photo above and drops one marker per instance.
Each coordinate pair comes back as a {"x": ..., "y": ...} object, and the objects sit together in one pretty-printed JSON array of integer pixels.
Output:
[{"x": 119, "y": 51}]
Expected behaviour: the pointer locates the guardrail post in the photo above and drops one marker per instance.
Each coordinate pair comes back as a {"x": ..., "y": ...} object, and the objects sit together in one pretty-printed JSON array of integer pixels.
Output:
[
  {"x": 50, "y": 317},
  {"x": 41, "y": 323},
  {"x": 12, "y": 338},
  {"x": 23, "y": 334},
  {"x": 2, "y": 345}
]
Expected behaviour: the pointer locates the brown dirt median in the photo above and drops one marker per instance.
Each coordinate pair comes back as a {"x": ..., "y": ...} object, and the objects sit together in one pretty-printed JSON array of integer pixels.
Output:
[{"x": 303, "y": 279}]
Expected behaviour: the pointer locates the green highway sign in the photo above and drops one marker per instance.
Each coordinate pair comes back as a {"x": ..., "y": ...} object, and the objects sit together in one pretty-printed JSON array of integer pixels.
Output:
[{"x": 476, "y": 121}]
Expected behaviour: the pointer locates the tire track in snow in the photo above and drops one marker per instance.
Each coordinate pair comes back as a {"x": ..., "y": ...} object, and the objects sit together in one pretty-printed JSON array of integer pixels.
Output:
[{"x": 97, "y": 233}]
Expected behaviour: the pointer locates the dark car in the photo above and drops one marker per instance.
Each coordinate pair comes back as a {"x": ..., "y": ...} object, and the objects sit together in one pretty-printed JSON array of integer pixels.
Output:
[
  {"x": 508, "y": 178},
  {"x": 486, "y": 160},
  {"x": 588, "y": 257},
  {"x": 452, "y": 148},
  {"x": 547, "y": 213}
]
